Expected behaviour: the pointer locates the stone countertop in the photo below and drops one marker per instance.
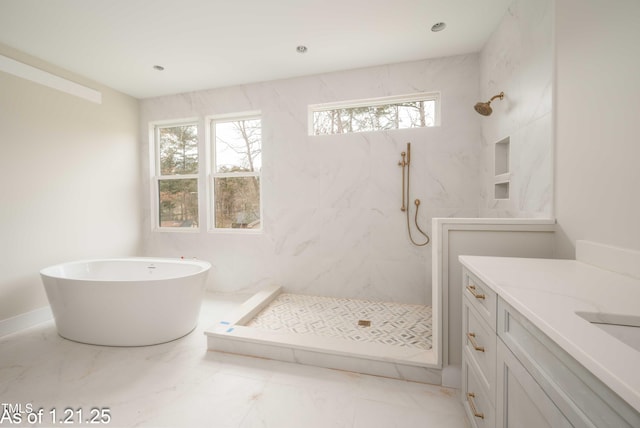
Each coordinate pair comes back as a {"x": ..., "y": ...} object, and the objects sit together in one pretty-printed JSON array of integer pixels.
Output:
[{"x": 550, "y": 292}]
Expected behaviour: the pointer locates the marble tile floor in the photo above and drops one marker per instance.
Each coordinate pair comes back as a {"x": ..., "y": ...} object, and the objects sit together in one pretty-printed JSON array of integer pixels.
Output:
[{"x": 181, "y": 384}]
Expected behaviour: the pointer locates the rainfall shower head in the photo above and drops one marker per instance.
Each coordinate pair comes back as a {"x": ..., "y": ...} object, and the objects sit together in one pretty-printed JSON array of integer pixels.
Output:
[{"x": 485, "y": 108}]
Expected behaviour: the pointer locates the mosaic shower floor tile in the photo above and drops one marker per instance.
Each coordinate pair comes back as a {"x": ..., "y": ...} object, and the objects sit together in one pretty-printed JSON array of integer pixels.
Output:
[{"x": 394, "y": 324}]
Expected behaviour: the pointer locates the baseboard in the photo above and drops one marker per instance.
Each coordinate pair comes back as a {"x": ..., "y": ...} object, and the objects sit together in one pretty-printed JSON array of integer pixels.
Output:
[
  {"x": 452, "y": 377},
  {"x": 26, "y": 320}
]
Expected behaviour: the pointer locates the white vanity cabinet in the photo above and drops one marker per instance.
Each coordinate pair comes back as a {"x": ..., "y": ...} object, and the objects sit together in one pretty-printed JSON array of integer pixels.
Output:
[
  {"x": 521, "y": 402},
  {"x": 516, "y": 376},
  {"x": 479, "y": 307}
]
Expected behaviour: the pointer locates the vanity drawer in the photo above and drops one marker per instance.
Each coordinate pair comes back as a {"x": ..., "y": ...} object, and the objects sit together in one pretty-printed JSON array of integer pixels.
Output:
[
  {"x": 476, "y": 401},
  {"x": 482, "y": 298},
  {"x": 479, "y": 346}
]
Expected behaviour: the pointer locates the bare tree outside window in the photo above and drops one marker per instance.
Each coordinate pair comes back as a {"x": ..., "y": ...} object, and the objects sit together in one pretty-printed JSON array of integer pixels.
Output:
[
  {"x": 378, "y": 116},
  {"x": 236, "y": 176}
]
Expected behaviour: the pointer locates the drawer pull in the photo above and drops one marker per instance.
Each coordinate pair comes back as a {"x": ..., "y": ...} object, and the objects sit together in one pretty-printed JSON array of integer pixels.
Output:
[
  {"x": 472, "y": 290},
  {"x": 470, "y": 397},
  {"x": 472, "y": 339}
]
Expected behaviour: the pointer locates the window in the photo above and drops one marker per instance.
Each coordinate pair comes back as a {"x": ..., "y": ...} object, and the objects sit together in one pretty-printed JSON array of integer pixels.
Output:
[
  {"x": 236, "y": 147},
  {"x": 176, "y": 175},
  {"x": 408, "y": 111}
]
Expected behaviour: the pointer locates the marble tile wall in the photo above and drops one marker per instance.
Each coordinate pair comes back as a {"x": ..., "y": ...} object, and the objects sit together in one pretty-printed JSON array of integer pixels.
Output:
[
  {"x": 331, "y": 204},
  {"x": 518, "y": 59}
]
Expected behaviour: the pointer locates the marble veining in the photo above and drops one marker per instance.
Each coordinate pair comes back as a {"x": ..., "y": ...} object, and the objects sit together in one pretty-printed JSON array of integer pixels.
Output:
[
  {"x": 180, "y": 384},
  {"x": 518, "y": 59},
  {"x": 331, "y": 204}
]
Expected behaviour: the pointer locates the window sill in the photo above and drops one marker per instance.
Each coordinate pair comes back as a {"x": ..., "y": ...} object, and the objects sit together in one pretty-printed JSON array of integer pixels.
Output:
[{"x": 176, "y": 229}]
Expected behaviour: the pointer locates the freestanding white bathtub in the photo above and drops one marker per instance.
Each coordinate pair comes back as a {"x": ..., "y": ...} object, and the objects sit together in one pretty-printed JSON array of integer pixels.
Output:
[{"x": 125, "y": 302}]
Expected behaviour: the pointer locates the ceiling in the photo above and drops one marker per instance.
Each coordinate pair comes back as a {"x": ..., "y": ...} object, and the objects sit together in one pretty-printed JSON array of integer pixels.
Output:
[{"x": 215, "y": 43}]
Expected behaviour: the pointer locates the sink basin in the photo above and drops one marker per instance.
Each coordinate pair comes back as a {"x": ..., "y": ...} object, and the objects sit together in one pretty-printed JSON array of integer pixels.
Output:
[{"x": 625, "y": 328}]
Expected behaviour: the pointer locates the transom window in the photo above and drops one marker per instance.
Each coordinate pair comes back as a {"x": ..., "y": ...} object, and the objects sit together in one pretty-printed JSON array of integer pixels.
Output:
[{"x": 379, "y": 114}]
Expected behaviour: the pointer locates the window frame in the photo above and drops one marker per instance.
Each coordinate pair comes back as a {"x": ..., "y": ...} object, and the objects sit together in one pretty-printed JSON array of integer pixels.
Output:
[
  {"x": 212, "y": 174},
  {"x": 156, "y": 176},
  {"x": 374, "y": 102}
]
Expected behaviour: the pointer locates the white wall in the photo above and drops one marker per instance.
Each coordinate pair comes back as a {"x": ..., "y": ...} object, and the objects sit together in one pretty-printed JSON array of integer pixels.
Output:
[
  {"x": 518, "y": 60},
  {"x": 69, "y": 181},
  {"x": 597, "y": 189},
  {"x": 332, "y": 219}
]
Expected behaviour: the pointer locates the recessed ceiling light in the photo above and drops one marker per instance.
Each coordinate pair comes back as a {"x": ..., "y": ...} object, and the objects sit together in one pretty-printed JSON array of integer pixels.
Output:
[
  {"x": 158, "y": 67},
  {"x": 438, "y": 26},
  {"x": 301, "y": 49}
]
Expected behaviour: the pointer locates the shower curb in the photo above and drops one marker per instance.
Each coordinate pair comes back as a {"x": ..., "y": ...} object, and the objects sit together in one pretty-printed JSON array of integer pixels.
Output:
[{"x": 230, "y": 335}]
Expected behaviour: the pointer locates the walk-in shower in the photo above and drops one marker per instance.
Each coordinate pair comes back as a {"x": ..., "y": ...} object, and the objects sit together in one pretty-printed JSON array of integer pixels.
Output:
[{"x": 390, "y": 339}]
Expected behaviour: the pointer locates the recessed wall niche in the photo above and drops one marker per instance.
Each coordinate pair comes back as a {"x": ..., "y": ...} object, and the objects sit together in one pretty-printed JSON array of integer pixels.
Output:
[
  {"x": 502, "y": 170},
  {"x": 501, "y": 190},
  {"x": 502, "y": 157}
]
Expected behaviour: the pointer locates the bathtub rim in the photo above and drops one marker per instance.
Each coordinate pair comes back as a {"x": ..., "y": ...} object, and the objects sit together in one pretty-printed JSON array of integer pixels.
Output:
[{"x": 51, "y": 271}]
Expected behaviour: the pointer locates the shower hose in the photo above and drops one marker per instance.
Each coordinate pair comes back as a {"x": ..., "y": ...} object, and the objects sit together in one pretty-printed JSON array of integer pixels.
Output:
[{"x": 417, "y": 203}]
